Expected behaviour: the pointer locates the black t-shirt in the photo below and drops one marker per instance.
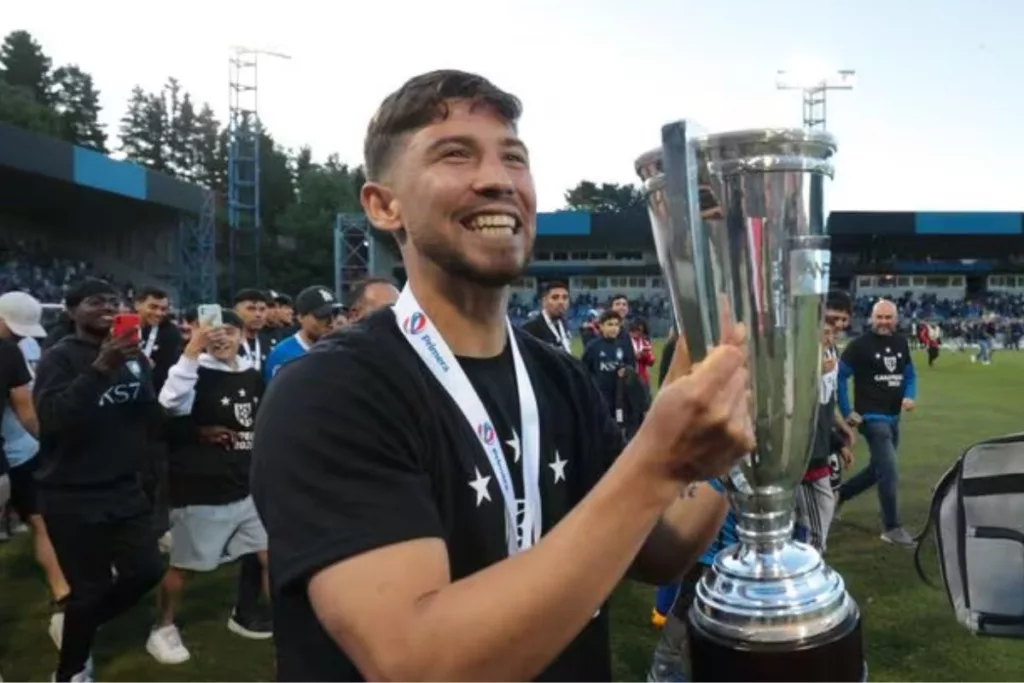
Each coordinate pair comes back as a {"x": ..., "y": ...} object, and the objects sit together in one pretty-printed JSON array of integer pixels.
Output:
[
  {"x": 13, "y": 374},
  {"x": 358, "y": 446},
  {"x": 879, "y": 364},
  {"x": 201, "y": 473}
]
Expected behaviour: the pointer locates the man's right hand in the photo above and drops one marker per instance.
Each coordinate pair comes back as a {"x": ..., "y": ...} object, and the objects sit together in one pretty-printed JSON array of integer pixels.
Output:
[
  {"x": 854, "y": 419},
  {"x": 115, "y": 351},
  {"x": 700, "y": 422}
]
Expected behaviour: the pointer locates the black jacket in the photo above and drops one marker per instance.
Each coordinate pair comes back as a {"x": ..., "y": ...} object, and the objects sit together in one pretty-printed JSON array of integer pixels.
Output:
[
  {"x": 166, "y": 350},
  {"x": 539, "y": 329},
  {"x": 94, "y": 430}
]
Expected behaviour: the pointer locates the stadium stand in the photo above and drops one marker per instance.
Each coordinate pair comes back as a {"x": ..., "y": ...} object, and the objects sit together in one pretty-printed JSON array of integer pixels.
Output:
[
  {"x": 956, "y": 269},
  {"x": 66, "y": 212}
]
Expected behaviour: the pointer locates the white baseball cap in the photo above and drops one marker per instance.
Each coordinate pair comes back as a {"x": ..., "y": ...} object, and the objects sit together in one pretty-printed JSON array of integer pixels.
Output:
[{"x": 22, "y": 314}]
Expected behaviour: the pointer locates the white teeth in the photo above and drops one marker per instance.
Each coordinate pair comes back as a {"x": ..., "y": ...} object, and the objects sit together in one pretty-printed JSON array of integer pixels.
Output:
[
  {"x": 493, "y": 220},
  {"x": 494, "y": 232}
]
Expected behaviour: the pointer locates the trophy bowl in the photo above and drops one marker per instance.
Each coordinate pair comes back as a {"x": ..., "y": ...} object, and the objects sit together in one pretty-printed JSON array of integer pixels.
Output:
[{"x": 739, "y": 225}]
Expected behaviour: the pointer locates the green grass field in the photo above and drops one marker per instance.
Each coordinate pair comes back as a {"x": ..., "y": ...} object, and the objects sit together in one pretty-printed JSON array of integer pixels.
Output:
[{"x": 909, "y": 628}]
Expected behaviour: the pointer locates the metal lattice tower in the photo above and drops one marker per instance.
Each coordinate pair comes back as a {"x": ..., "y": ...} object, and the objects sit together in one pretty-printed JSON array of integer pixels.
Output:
[
  {"x": 197, "y": 270},
  {"x": 353, "y": 252},
  {"x": 244, "y": 168},
  {"x": 815, "y": 93}
]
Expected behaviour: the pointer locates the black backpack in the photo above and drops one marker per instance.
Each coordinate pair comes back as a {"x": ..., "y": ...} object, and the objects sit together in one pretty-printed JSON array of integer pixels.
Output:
[{"x": 977, "y": 513}]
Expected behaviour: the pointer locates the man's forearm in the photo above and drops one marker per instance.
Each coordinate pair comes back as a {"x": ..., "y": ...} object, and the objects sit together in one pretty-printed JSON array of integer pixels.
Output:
[
  {"x": 684, "y": 532},
  {"x": 510, "y": 621}
]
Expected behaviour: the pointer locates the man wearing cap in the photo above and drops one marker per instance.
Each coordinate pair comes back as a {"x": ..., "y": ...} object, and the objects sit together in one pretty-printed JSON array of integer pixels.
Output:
[
  {"x": 20, "y": 316},
  {"x": 315, "y": 307},
  {"x": 280, "y": 319},
  {"x": 16, "y": 320}
]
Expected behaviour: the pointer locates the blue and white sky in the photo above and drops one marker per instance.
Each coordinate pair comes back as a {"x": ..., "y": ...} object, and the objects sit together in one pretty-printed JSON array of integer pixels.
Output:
[{"x": 935, "y": 121}]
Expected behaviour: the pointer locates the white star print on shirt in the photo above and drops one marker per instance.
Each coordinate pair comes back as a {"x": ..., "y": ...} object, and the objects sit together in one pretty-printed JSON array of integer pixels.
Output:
[
  {"x": 558, "y": 467},
  {"x": 513, "y": 443},
  {"x": 241, "y": 392},
  {"x": 224, "y": 401},
  {"x": 480, "y": 486}
]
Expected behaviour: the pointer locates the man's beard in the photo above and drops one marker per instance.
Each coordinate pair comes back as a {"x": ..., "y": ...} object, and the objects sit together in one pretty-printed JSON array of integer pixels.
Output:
[{"x": 455, "y": 265}]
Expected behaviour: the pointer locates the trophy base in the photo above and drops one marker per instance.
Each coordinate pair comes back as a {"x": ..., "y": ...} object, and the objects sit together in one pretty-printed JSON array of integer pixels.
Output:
[{"x": 837, "y": 655}]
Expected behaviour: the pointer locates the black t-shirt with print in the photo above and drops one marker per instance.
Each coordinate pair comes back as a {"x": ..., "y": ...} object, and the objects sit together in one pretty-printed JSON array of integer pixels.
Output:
[
  {"x": 13, "y": 374},
  {"x": 358, "y": 447}
]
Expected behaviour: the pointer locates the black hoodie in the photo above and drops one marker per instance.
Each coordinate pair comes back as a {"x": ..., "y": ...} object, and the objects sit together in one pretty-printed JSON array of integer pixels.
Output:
[{"x": 93, "y": 432}]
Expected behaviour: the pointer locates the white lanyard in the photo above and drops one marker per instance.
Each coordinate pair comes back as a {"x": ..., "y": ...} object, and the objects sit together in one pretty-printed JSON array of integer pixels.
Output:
[
  {"x": 252, "y": 352},
  {"x": 147, "y": 350},
  {"x": 432, "y": 349},
  {"x": 559, "y": 331}
]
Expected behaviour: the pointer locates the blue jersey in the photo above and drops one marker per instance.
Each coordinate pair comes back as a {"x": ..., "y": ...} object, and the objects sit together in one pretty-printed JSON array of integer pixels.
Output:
[
  {"x": 726, "y": 535},
  {"x": 284, "y": 351}
]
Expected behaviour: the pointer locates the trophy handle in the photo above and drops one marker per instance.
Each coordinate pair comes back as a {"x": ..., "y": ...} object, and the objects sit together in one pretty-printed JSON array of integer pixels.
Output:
[{"x": 683, "y": 239}]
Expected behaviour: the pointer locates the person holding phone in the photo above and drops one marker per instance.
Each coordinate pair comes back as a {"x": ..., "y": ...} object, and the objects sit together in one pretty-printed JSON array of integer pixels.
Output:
[
  {"x": 97, "y": 414},
  {"x": 213, "y": 394}
]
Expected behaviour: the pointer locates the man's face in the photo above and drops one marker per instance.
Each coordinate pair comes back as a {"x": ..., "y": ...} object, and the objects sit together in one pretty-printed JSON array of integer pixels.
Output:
[
  {"x": 224, "y": 343},
  {"x": 828, "y": 335},
  {"x": 883, "y": 318},
  {"x": 253, "y": 314},
  {"x": 316, "y": 326},
  {"x": 556, "y": 302},
  {"x": 462, "y": 190},
  {"x": 839, "y": 320},
  {"x": 95, "y": 314},
  {"x": 271, "y": 316},
  {"x": 610, "y": 328},
  {"x": 375, "y": 297},
  {"x": 621, "y": 306},
  {"x": 340, "y": 320},
  {"x": 285, "y": 315},
  {"x": 152, "y": 311}
]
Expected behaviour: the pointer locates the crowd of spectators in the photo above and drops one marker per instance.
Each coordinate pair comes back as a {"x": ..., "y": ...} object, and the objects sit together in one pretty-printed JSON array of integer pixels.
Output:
[{"x": 28, "y": 266}]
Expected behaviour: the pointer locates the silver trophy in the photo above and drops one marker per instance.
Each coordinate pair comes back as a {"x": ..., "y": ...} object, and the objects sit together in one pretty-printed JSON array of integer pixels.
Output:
[{"x": 739, "y": 225}]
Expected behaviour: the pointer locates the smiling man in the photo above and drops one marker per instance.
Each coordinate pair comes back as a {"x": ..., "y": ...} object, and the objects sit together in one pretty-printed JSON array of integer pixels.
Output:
[
  {"x": 97, "y": 408},
  {"x": 443, "y": 494}
]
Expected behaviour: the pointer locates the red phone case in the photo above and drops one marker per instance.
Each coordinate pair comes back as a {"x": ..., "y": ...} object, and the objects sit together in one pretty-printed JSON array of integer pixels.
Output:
[{"x": 126, "y": 322}]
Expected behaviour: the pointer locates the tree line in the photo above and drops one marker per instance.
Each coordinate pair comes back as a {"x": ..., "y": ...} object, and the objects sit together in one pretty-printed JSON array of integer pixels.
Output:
[{"x": 169, "y": 131}]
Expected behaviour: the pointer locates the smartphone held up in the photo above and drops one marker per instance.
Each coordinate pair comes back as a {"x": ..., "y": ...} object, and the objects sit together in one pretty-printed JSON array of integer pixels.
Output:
[{"x": 127, "y": 325}]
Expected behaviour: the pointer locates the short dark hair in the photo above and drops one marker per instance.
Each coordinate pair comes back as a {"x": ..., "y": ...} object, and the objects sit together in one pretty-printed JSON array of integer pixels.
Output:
[
  {"x": 616, "y": 297},
  {"x": 546, "y": 288},
  {"x": 358, "y": 291},
  {"x": 422, "y": 100},
  {"x": 838, "y": 300},
  {"x": 250, "y": 294},
  {"x": 149, "y": 292},
  {"x": 608, "y": 315}
]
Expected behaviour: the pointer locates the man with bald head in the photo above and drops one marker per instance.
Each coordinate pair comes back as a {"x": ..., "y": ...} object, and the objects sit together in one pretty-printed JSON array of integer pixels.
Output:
[
  {"x": 884, "y": 385},
  {"x": 370, "y": 295}
]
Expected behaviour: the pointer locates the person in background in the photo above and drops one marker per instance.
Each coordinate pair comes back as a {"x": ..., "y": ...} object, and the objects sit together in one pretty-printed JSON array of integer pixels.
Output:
[
  {"x": 815, "y": 501},
  {"x": 97, "y": 415},
  {"x": 588, "y": 329},
  {"x": 369, "y": 295},
  {"x": 642, "y": 349},
  {"x": 604, "y": 356},
  {"x": 315, "y": 307},
  {"x": 280, "y": 319},
  {"x": 620, "y": 305},
  {"x": 161, "y": 344},
  {"x": 214, "y": 395},
  {"x": 20, "y": 316},
  {"x": 885, "y": 385},
  {"x": 549, "y": 326},
  {"x": 160, "y": 340},
  {"x": 251, "y": 306}
]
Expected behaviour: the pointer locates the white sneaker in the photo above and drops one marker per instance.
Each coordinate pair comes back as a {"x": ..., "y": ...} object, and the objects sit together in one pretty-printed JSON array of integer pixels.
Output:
[
  {"x": 83, "y": 676},
  {"x": 166, "y": 647},
  {"x": 57, "y": 628}
]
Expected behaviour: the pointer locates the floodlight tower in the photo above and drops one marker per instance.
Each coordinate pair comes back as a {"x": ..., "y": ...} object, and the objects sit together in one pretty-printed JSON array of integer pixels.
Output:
[
  {"x": 815, "y": 87},
  {"x": 244, "y": 132}
]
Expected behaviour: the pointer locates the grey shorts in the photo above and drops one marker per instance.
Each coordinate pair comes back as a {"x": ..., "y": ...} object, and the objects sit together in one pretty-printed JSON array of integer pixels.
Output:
[
  {"x": 204, "y": 537},
  {"x": 5, "y": 489},
  {"x": 815, "y": 506}
]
